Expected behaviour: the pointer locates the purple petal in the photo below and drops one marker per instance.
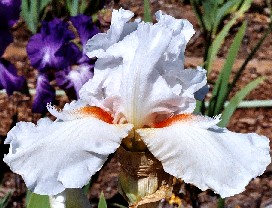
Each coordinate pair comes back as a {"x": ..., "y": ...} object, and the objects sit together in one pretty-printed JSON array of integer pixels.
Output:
[
  {"x": 65, "y": 83},
  {"x": 80, "y": 75},
  {"x": 5, "y": 39},
  {"x": 9, "y": 12},
  {"x": 71, "y": 80},
  {"x": 48, "y": 49},
  {"x": 9, "y": 80},
  {"x": 85, "y": 28},
  {"x": 45, "y": 93}
]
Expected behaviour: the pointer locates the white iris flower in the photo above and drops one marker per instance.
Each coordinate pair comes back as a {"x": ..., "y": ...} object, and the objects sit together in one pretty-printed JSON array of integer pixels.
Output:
[{"x": 139, "y": 90}]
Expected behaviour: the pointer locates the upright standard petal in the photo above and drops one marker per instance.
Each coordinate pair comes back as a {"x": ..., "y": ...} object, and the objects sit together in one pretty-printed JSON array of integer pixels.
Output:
[
  {"x": 192, "y": 148},
  {"x": 52, "y": 156},
  {"x": 119, "y": 29},
  {"x": 148, "y": 64},
  {"x": 85, "y": 27}
]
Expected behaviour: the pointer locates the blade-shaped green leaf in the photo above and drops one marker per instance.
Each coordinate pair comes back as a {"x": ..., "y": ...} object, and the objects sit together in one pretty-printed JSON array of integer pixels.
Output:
[
  {"x": 208, "y": 11},
  {"x": 87, "y": 187},
  {"x": 222, "y": 12},
  {"x": 197, "y": 10},
  {"x": 43, "y": 4},
  {"x": 102, "y": 201},
  {"x": 218, "y": 41},
  {"x": 31, "y": 12},
  {"x": 83, "y": 6},
  {"x": 147, "y": 11},
  {"x": 221, "y": 87},
  {"x": 36, "y": 200},
  {"x": 72, "y": 7},
  {"x": 4, "y": 201},
  {"x": 221, "y": 203},
  {"x": 234, "y": 102}
]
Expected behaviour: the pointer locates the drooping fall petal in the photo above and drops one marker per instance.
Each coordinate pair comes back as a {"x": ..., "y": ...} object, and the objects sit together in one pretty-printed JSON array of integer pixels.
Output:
[
  {"x": 52, "y": 156},
  {"x": 9, "y": 79},
  {"x": 194, "y": 149},
  {"x": 45, "y": 93}
]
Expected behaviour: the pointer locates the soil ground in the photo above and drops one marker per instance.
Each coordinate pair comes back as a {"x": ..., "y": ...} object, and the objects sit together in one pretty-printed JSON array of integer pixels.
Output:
[{"x": 257, "y": 194}]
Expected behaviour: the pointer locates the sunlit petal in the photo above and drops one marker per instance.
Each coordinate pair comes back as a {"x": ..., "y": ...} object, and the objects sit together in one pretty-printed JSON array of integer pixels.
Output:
[
  {"x": 56, "y": 155},
  {"x": 119, "y": 28},
  {"x": 193, "y": 149},
  {"x": 139, "y": 76}
]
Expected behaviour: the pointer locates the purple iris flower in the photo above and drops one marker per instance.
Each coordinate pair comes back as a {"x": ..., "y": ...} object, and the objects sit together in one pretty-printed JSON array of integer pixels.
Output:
[
  {"x": 52, "y": 47},
  {"x": 9, "y": 79},
  {"x": 45, "y": 93},
  {"x": 85, "y": 28},
  {"x": 72, "y": 79},
  {"x": 5, "y": 39},
  {"x": 9, "y": 12},
  {"x": 53, "y": 50}
]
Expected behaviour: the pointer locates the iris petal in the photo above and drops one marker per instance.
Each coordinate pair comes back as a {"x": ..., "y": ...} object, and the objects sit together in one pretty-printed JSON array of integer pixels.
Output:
[
  {"x": 9, "y": 80},
  {"x": 45, "y": 93},
  {"x": 139, "y": 74},
  {"x": 56, "y": 155},
  {"x": 194, "y": 149},
  {"x": 52, "y": 47}
]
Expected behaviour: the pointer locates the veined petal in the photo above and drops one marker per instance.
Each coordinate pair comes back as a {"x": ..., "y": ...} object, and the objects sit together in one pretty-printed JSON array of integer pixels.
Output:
[
  {"x": 145, "y": 63},
  {"x": 191, "y": 148},
  {"x": 52, "y": 156}
]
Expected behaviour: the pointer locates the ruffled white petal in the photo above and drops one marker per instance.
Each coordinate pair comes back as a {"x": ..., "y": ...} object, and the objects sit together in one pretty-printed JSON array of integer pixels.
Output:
[
  {"x": 119, "y": 29},
  {"x": 56, "y": 155},
  {"x": 139, "y": 77},
  {"x": 181, "y": 28},
  {"x": 207, "y": 156}
]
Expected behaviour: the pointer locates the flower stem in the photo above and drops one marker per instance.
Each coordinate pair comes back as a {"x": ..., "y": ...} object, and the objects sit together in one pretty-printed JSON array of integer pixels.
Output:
[{"x": 70, "y": 198}]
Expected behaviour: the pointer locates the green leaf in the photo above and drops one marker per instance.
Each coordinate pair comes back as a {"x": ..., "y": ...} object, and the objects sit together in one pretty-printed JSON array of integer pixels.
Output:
[
  {"x": 234, "y": 102},
  {"x": 72, "y": 7},
  {"x": 218, "y": 41},
  {"x": 4, "y": 201},
  {"x": 221, "y": 88},
  {"x": 36, "y": 200},
  {"x": 102, "y": 201},
  {"x": 83, "y": 6},
  {"x": 208, "y": 11},
  {"x": 221, "y": 203},
  {"x": 31, "y": 12},
  {"x": 147, "y": 11},
  {"x": 87, "y": 187},
  {"x": 222, "y": 12},
  {"x": 197, "y": 10}
]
